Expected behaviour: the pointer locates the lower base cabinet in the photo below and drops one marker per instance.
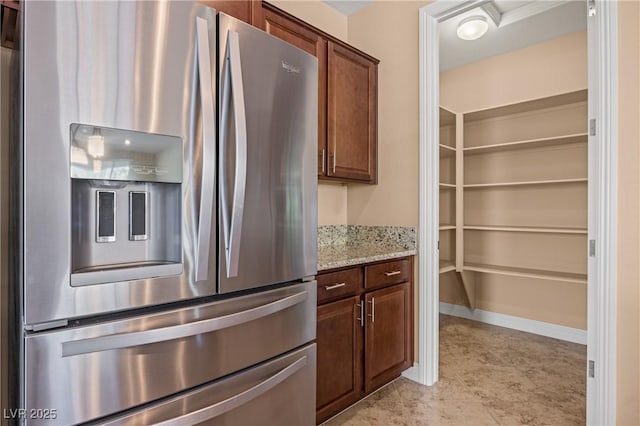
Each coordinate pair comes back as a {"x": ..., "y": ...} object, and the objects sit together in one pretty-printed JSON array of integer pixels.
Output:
[
  {"x": 365, "y": 338},
  {"x": 387, "y": 335},
  {"x": 339, "y": 339}
]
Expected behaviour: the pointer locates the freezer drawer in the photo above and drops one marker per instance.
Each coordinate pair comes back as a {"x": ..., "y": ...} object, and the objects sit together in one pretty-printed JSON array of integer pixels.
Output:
[
  {"x": 278, "y": 392},
  {"x": 97, "y": 370}
]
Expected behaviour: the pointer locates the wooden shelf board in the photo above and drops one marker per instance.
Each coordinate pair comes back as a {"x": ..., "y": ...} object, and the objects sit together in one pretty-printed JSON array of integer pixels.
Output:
[
  {"x": 527, "y": 273},
  {"x": 530, "y": 182},
  {"x": 447, "y": 185},
  {"x": 447, "y": 151},
  {"x": 528, "y": 106},
  {"x": 526, "y": 144},
  {"x": 535, "y": 229},
  {"x": 447, "y": 266},
  {"x": 447, "y": 227}
]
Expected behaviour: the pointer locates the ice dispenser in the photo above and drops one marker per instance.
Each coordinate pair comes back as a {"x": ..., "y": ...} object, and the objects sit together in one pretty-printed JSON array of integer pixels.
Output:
[{"x": 126, "y": 205}]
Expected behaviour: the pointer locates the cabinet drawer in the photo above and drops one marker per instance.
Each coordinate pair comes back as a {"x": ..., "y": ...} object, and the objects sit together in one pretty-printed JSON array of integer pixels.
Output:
[
  {"x": 339, "y": 284},
  {"x": 387, "y": 273}
]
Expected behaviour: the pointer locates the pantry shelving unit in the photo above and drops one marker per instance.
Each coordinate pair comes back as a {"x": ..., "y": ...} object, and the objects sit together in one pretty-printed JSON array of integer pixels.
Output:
[
  {"x": 447, "y": 185},
  {"x": 520, "y": 178}
]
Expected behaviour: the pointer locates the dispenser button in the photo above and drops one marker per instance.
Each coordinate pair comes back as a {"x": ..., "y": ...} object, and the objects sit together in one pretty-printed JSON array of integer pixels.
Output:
[
  {"x": 105, "y": 216},
  {"x": 138, "y": 216}
]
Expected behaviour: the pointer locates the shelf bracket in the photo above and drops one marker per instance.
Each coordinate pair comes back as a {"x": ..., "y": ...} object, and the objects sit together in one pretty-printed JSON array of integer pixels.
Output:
[{"x": 469, "y": 284}]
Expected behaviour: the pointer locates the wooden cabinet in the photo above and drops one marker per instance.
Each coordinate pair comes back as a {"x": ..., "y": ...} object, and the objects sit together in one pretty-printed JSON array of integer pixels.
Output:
[
  {"x": 347, "y": 97},
  {"x": 245, "y": 10},
  {"x": 339, "y": 340},
  {"x": 9, "y": 27},
  {"x": 365, "y": 337},
  {"x": 387, "y": 335},
  {"x": 352, "y": 115}
]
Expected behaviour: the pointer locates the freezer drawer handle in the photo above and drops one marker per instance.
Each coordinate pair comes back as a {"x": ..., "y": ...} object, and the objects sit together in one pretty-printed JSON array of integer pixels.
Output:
[
  {"x": 208, "y": 151},
  {"x": 222, "y": 407},
  {"x": 232, "y": 86},
  {"x": 139, "y": 338}
]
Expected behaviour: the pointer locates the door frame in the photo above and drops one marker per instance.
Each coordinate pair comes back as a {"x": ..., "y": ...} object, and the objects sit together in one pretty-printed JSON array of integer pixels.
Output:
[{"x": 602, "y": 31}]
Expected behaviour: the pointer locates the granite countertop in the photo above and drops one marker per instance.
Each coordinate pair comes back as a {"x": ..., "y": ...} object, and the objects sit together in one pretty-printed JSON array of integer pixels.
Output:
[{"x": 349, "y": 245}]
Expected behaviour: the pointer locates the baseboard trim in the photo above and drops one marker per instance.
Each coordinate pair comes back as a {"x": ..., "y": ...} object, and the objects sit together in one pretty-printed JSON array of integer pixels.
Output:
[
  {"x": 560, "y": 332},
  {"x": 412, "y": 373}
]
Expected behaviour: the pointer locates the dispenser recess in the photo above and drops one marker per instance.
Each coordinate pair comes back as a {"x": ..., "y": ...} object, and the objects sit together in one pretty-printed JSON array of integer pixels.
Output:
[{"x": 126, "y": 205}]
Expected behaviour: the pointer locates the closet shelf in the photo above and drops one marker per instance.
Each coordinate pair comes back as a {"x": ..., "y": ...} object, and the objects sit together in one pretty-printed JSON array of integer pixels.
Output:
[
  {"x": 530, "y": 106},
  {"x": 534, "y": 229},
  {"x": 530, "y": 182},
  {"x": 447, "y": 266},
  {"x": 525, "y": 144},
  {"x": 446, "y": 150},
  {"x": 447, "y": 227},
  {"x": 527, "y": 273},
  {"x": 447, "y": 185}
]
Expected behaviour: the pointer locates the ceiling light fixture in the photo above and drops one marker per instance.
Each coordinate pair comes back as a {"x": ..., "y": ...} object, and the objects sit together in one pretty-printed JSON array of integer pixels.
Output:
[{"x": 472, "y": 28}]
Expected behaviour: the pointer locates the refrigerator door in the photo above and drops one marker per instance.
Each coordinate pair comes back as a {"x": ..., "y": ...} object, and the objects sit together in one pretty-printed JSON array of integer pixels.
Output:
[
  {"x": 126, "y": 68},
  {"x": 278, "y": 392},
  {"x": 268, "y": 122},
  {"x": 93, "y": 371}
]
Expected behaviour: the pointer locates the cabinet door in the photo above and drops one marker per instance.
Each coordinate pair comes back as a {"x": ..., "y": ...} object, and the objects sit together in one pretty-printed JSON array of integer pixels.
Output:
[
  {"x": 352, "y": 115},
  {"x": 304, "y": 37},
  {"x": 339, "y": 339},
  {"x": 387, "y": 334},
  {"x": 240, "y": 9}
]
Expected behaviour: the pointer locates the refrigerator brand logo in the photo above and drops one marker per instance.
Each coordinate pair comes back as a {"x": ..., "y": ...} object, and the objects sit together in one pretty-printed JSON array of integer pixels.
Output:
[{"x": 290, "y": 68}]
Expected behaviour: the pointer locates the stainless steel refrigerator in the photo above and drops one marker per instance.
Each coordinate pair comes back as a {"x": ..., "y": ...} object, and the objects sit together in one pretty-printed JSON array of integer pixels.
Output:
[{"x": 165, "y": 244}]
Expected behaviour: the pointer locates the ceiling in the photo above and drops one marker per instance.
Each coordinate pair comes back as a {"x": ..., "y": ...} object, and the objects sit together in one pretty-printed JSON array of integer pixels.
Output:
[
  {"x": 347, "y": 7},
  {"x": 521, "y": 23}
]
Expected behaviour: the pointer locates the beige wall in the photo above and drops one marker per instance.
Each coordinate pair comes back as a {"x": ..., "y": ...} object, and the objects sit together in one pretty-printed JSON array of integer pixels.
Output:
[
  {"x": 628, "y": 321},
  {"x": 388, "y": 30},
  {"x": 544, "y": 69},
  {"x": 332, "y": 198}
]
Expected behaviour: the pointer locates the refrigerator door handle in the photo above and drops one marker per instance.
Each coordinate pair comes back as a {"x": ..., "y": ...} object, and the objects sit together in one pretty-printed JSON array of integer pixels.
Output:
[
  {"x": 232, "y": 86},
  {"x": 224, "y": 406},
  {"x": 208, "y": 150},
  {"x": 162, "y": 334}
]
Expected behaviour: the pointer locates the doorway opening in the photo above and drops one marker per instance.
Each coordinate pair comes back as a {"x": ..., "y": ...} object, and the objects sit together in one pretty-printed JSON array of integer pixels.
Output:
[{"x": 491, "y": 165}]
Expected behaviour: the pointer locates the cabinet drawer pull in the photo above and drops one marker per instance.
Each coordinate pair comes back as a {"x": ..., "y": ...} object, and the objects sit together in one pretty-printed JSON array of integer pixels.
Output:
[
  {"x": 373, "y": 309},
  {"x": 332, "y": 287},
  {"x": 361, "y": 308},
  {"x": 392, "y": 273}
]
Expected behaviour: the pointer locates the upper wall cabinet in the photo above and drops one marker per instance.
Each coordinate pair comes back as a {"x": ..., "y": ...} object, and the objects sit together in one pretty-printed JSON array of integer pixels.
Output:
[
  {"x": 347, "y": 97},
  {"x": 352, "y": 111},
  {"x": 245, "y": 10}
]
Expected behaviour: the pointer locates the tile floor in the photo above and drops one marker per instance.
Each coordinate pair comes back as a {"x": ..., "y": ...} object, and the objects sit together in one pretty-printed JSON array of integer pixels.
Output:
[{"x": 488, "y": 376}]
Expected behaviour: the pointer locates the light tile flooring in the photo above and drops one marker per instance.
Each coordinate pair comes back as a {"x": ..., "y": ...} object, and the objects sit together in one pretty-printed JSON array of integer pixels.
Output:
[{"x": 488, "y": 376}]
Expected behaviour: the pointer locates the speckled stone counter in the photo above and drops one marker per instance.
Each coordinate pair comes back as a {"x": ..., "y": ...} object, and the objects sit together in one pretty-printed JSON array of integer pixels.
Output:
[{"x": 348, "y": 245}]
